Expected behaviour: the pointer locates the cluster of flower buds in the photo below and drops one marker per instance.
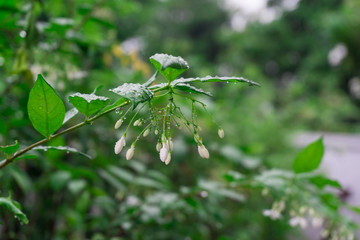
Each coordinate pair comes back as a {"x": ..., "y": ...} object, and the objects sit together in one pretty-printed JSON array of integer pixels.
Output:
[{"x": 160, "y": 120}]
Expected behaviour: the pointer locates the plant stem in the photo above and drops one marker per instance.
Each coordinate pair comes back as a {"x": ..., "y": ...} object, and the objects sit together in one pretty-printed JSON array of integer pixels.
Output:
[{"x": 72, "y": 128}]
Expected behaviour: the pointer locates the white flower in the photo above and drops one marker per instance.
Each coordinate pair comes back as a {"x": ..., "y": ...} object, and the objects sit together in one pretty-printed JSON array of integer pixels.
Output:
[
  {"x": 119, "y": 145},
  {"x": 158, "y": 146},
  {"x": 146, "y": 132},
  {"x": 130, "y": 152},
  {"x": 118, "y": 123},
  {"x": 203, "y": 152},
  {"x": 168, "y": 143},
  {"x": 316, "y": 222},
  {"x": 163, "y": 153},
  {"x": 272, "y": 213},
  {"x": 221, "y": 133},
  {"x": 137, "y": 123},
  {"x": 298, "y": 221},
  {"x": 168, "y": 159}
]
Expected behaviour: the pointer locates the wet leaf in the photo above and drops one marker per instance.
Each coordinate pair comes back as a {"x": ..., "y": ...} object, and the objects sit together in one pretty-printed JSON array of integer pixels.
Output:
[
  {"x": 46, "y": 110},
  {"x": 88, "y": 104},
  {"x": 169, "y": 66},
  {"x": 136, "y": 93}
]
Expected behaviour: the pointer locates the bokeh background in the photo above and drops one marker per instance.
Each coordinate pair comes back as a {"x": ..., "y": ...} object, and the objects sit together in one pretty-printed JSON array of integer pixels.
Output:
[{"x": 305, "y": 54}]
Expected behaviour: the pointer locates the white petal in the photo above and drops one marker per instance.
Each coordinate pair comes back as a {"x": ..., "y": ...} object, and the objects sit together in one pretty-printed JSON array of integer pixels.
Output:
[
  {"x": 130, "y": 153},
  {"x": 118, "y": 147},
  {"x": 168, "y": 159},
  {"x": 118, "y": 123},
  {"x": 163, "y": 154},
  {"x": 221, "y": 133}
]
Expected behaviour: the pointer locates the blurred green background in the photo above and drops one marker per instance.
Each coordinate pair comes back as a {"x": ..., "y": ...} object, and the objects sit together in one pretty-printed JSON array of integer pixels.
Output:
[{"x": 305, "y": 54}]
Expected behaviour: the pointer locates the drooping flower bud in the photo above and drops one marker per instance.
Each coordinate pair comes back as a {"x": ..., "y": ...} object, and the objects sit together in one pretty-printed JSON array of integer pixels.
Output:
[
  {"x": 168, "y": 159},
  {"x": 130, "y": 152},
  {"x": 221, "y": 133},
  {"x": 146, "y": 132},
  {"x": 156, "y": 132},
  {"x": 170, "y": 142},
  {"x": 158, "y": 146},
  {"x": 163, "y": 153},
  {"x": 118, "y": 123},
  {"x": 119, "y": 145},
  {"x": 137, "y": 123},
  {"x": 203, "y": 152}
]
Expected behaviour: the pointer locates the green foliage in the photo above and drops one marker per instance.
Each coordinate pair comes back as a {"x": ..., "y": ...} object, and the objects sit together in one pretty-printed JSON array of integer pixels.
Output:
[
  {"x": 169, "y": 66},
  {"x": 310, "y": 158},
  {"x": 62, "y": 148},
  {"x": 136, "y": 93},
  {"x": 88, "y": 104},
  {"x": 15, "y": 208},
  {"x": 46, "y": 110},
  {"x": 10, "y": 149},
  {"x": 81, "y": 44}
]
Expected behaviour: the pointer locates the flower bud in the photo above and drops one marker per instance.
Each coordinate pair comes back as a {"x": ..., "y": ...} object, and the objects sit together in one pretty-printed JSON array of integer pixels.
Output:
[
  {"x": 169, "y": 142},
  {"x": 163, "y": 153},
  {"x": 130, "y": 152},
  {"x": 119, "y": 145},
  {"x": 118, "y": 123},
  {"x": 156, "y": 132},
  {"x": 137, "y": 123},
  {"x": 168, "y": 159},
  {"x": 158, "y": 146},
  {"x": 146, "y": 132},
  {"x": 203, "y": 152},
  {"x": 221, "y": 133}
]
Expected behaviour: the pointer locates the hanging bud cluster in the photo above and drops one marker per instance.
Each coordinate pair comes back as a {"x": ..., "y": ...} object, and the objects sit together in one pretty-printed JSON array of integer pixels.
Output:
[{"x": 160, "y": 121}]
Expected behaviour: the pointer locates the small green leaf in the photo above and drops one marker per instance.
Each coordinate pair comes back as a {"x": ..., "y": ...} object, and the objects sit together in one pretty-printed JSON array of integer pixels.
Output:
[
  {"x": 136, "y": 93},
  {"x": 116, "y": 103},
  {"x": 88, "y": 104},
  {"x": 122, "y": 174},
  {"x": 46, "y": 110},
  {"x": 169, "y": 66},
  {"x": 321, "y": 182},
  {"x": 188, "y": 88},
  {"x": 26, "y": 157},
  {"x": 62, "y": 148},
  {"x": 310, "y": 158},
  {"x": 15, "y": 208},
  {"x": 10, "y": 149},
  {"x": 151, "y": 80},
  {"x": 214, "y": 79}
]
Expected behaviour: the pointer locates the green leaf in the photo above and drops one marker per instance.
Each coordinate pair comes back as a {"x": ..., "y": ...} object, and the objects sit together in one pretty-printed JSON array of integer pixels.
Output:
[
  {"x": 88, "y": 104},
  {"x": 214, "y": 79},
  {"x": 10, "y": 149},
  {"x": 26, "y": 157},
  {"x": 151, "y": 80},
  {"x": 188, "y": 88},
  {"x": 122, "y": 174},
  {"x": 112, "y": 180},
  {"x": 321, "y": 182},
  {"x": 62, "y": 148},
  {"x": 136, "y": 93},
  {"x": 15, "y": 208},
  {"x": 310, "y": 158},
  {"x": 169, "y": 66},
  {"x": 46, "y": 110},
  {"x": 116, "y": 103}
]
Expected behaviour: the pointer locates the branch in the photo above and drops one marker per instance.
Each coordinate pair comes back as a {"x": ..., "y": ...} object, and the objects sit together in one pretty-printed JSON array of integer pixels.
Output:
[{"x": 88, "y": 121}]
